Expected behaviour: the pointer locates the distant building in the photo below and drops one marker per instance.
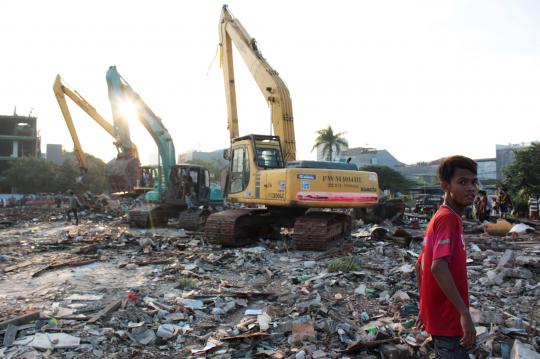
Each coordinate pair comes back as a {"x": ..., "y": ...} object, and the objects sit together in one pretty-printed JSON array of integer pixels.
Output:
[
  {"x": 363, "y": 156},
  {"x": 199, "y": 155},
  {"x": 55, "y": 153},
  {"x": 505, "y": 156},
  {"x": 487, "y": 169},
  {"x": 424, "y": 173},
  {"x": 18, "y": 138}
]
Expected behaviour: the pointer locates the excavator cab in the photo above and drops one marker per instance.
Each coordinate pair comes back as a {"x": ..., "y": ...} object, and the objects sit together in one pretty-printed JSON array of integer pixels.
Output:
[
  {"x": 201, "y": 185},
  {"x": 268, "y": 152},
  {"x": 261, "y": 151}
]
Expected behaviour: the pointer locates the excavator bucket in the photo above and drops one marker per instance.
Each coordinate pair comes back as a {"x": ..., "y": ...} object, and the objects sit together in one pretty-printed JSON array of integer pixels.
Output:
[{"x": 123, "y": 173}]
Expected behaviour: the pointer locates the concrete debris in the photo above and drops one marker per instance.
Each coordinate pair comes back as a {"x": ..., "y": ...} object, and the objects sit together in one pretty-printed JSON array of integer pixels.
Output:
[
  {"x": 84, "y": 297},
  {"x": 523, "y": 351},
  {"x": 104, "y": 290},
  {"x": 50, "y": 341},
  {"x": 264, "y": 321}
]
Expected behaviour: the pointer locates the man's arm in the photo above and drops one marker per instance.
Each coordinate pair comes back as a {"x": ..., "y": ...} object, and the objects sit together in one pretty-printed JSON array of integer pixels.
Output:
[
  {"x": 442, "y": 275},
  {"x": 418, "y": 271}
]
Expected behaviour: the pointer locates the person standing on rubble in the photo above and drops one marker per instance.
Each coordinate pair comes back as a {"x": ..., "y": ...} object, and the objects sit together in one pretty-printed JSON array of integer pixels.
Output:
[
  {"x": 482, "y": 206},
  {"x": 58, "y": 200},
  {"x": 74, "y": 205},
  {"x": 533, "y": 207},
  {"x": 504, "y": 203},
  {"x": 442, "y": 270}
]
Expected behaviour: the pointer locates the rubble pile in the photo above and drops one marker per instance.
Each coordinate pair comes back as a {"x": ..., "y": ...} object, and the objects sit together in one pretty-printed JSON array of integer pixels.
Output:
[{"x": 103, "y": 290}]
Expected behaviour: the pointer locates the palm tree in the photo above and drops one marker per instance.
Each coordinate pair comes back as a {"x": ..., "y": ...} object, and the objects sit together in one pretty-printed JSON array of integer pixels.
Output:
[{"x": 330, "y": 141}]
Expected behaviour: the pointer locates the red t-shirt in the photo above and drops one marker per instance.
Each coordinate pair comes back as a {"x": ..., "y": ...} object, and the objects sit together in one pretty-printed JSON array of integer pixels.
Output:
[{"x": 444, "y": 239}]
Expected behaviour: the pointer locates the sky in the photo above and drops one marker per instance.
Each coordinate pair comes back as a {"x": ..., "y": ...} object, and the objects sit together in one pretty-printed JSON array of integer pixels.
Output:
[{"x": 421, "y": 79}]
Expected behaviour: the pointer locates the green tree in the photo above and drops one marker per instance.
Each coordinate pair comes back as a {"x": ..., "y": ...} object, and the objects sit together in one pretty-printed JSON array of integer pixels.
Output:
[
  {"x": 66, "y": 175},
  {"x": 94, "y": 180},
  {"x": 330, "y": 141},
  {"x": 34, "y": 175},
  {"x": 522, "y": 177},
  {"x": 31, "y": 175},
  {"x": 390, "y": 179}
]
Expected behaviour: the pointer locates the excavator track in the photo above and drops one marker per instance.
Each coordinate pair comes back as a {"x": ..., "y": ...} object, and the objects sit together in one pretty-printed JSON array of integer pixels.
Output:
[
  {"x": 192, "y": 220},
  {"x": 233, "y": 227},
  {"x": 320, "y": 231}
]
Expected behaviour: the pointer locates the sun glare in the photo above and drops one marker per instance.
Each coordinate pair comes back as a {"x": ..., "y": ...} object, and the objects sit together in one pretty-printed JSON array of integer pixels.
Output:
[{"x": 128, "y": 110}]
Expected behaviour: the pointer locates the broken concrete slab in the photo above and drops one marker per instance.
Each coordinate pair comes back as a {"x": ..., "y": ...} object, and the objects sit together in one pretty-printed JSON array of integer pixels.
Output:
[
  {"x": 144, "y": 337},
  {"x": 84, "y": 297},
  {"x": 507, "y": 259},
  {"x": 50, "y": 341},
  {"x": 10, "y": 335},
  {"x": 523, "y": 351}
]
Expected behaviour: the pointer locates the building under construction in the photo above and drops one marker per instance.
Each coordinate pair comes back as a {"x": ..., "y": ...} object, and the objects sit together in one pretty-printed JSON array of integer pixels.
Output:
[{"x": 18, "y": 137}]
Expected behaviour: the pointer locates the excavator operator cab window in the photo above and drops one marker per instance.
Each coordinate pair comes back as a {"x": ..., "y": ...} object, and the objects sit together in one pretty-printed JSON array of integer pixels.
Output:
[
  {"x": 204, "y": 185},
  {"x": 268, "y": 157},
  {"x": 194, "y": 174},
  {"x": 239, "y": 170}
]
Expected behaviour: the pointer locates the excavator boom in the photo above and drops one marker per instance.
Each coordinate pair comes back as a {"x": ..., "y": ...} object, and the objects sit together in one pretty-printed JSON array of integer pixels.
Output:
[
  {"x": 121, "y": 92},
  {"x": 270, "y": 84}
]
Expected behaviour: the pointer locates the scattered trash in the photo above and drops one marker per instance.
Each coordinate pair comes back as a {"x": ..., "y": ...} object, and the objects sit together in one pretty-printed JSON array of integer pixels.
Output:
[
  {"x": 102, "y": 290},
  {"x": 253, "y": 312},
  {"x": 500, "y": 228}
]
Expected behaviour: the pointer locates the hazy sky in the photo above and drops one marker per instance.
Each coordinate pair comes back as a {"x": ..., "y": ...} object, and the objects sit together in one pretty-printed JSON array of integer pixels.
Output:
[{"x": 422, "y": 79}]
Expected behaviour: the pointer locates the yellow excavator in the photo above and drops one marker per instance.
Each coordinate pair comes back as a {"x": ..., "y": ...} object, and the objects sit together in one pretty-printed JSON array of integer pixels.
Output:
[
  {"x": 123, "y": 172},
  {"x": 264, "y": 174}
]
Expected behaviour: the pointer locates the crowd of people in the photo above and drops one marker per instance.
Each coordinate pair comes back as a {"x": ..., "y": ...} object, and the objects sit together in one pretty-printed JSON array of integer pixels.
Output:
[{"x": 501, "y": 205}]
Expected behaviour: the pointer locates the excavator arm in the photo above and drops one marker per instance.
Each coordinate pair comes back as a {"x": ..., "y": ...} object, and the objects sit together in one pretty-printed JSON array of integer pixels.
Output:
[
  {"x": 60, "y": 92},
  {"x": 120, "y": 92},
  {"x": 270, "y": 84},
  {"x": 126, "y": 149}
]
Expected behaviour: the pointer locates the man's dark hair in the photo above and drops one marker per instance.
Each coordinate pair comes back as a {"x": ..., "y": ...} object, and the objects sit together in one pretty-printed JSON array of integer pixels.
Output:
[{"x": 448, "y": 166}]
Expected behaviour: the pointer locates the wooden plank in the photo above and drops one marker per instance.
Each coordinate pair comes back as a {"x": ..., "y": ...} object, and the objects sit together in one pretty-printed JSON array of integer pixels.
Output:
[
  {"x": 69, "y": 263},
  {"x": 22, "y": 319},
  {"x": 105, "y": 311}
]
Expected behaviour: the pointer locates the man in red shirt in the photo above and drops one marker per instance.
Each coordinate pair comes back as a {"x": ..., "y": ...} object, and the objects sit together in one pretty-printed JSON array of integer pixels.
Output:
[{"x": 441, "y": 268}]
